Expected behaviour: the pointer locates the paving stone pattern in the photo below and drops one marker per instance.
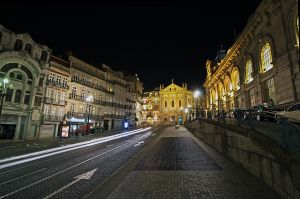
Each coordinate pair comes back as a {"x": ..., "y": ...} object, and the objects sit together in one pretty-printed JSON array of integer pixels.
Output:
[
  {"x": 177, "y": 153},
  {"x": 179, "y": 181}
]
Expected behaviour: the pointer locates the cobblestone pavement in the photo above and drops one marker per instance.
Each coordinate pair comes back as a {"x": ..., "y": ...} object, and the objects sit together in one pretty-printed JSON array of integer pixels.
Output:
[{"x": 207, "y": 176}]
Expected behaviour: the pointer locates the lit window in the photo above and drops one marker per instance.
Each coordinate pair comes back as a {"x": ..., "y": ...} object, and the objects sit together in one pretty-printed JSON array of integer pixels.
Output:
[
  {"x": 249, "y": 71},
  {"x": 266, "y": 58}
]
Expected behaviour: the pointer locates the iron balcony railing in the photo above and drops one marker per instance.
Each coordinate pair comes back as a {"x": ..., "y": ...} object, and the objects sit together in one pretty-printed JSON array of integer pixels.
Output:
[
  {"x": 92, "y": 85},
  {"x": 81, "y": 115},
  {"x": 54, "y": 118},
  {"x": 57, "y": 84},
  {"x": 49, "y": 100}
]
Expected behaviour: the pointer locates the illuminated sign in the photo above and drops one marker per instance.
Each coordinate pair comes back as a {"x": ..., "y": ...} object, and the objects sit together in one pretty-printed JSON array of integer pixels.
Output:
[
  {"x": 126, "y": 124},
  {"x": 65, "y": 131}
]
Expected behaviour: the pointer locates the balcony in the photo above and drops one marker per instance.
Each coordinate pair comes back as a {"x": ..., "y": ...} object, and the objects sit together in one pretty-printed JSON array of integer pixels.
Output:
[
  {"x": 53, "y": 118},
  {"x": 92, "y": 85},
  {"x": 54, "y": 101},
  {"x": 57, "y": 84},
  {"x": 84, "y": 115}
]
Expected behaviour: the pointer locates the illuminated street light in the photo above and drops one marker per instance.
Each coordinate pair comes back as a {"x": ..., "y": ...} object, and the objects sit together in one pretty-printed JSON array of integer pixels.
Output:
[
  {"x": 196, "y": 94},
  {"x": 88, "y": 99}
]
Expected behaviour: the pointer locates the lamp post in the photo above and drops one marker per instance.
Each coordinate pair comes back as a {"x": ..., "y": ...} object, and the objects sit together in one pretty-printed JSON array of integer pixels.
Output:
[
  {"x": 196, "y": 95},
  {"x": 186, "y": 112},
  {"x": 5, "y": 82},
  {"x": 88, "y": 99}
]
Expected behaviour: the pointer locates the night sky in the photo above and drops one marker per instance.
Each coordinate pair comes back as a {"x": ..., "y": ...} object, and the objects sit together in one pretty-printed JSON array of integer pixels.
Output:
[{"x": 158, "y": 40}]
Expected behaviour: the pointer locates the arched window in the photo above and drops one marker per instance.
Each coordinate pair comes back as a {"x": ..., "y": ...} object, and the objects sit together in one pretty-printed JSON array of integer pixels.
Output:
[
  {"x": 9, "y": 94},
  {"x": 248, "y": 71},
  {"x": 18, "y": 96},
  {"x": 44, "y": 55},
  {"x": 18, "y": 44},
  {"x": 266, "y": 58},
  {"x": 28, "y": 48}
]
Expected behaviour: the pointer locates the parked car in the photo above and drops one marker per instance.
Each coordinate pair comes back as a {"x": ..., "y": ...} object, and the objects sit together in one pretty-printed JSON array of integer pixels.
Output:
[
  {"x": 292, "y": 114},
  {"x": 261, "y": 112},
  {"x": 234, "y": 113}
]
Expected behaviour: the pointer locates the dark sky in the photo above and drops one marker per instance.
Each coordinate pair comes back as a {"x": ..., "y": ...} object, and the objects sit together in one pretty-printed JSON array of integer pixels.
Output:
[{"x": 158, "y": 40}]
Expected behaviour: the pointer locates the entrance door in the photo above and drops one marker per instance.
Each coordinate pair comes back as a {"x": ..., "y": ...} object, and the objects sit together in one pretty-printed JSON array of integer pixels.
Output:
[
  {"x": 7, "y": 131},
  {"x": 106, "y": 124}
]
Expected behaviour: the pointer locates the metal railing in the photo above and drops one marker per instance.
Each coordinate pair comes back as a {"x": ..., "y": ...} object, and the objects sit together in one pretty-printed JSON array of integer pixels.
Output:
[
  {"x": 57, "y": 84},
  {"x": 92, "y": 85},
  {"x": 49, "y": 100},
  {"x": 53, "y": 118}
]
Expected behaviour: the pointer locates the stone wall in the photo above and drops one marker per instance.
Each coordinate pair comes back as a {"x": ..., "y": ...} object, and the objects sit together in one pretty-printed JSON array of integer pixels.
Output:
[{"x": 256, "y": 153}]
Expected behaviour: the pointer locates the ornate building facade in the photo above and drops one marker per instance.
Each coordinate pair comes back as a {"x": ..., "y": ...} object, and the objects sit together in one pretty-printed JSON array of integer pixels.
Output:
[
  {"x": 171, "y": 104},
  {"x": 56, "y": 96},
  {"x": 22, "y": 74},
  {"x": 262, "y": 66},
  {"x": 40, "y": 92}
]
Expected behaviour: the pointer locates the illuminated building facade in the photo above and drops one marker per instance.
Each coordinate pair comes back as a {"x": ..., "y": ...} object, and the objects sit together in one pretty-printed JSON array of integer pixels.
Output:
[
  {"x": 262, "y": 66},
  {"x": 151, "y": 107},
  {"x": 40, "y": 92},
  {"x": 56, "y": 96},
  {"x": 171, "y": 104},
  {"x": 177, "y": 104},
  {"x": 22, "y": 68}
]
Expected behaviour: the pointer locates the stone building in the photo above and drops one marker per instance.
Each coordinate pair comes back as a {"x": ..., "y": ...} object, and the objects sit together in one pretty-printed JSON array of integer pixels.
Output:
[
  {"x": 171, "y": 104},
  {"x": 56, "y": 96},
  {"x": 22, "y": 62},
  {"x": 151, "y": 107},
  {"x": 135, "y": 88},
  {"x": 177, "y": 104},
  {"x": 262, "y": 66}
]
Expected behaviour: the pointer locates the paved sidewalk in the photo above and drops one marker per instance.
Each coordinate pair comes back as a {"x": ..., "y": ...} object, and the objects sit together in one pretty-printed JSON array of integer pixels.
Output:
[
  {"x": 172, "y": 170},
  {"x": 9, "y": 148}
]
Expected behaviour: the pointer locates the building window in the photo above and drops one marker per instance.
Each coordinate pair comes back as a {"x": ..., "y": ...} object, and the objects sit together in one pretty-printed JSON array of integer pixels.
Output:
[
  {"x": 9, "y": 94},
  {"x": 65, "y": 82},
  {"x": 172, "y": 103},
  {"x": 266, "y": 58},
  {"x": 72, "y": 108},
  {"x": 51, "y": 77},
  {"x": 251, "y": 97},
  {"x": 44, "y": 55},
  {"x": 179, "y": 103},
  {"x": 46, "y": 110},
  {"x": 165, "y": 104},
  {"x": 18, "y": 44},
  {"x": 269, "y": 92},
  {"x": 249, "y": 71},
  {"x": 19, "y": 77},
  {"x": 28, "y": 48},
  {"x": 18, "y": 95},
  {"x": 38, "y": 101},
  {"x": 73, "y": 91},
  {"x": 26, "y": 99}
]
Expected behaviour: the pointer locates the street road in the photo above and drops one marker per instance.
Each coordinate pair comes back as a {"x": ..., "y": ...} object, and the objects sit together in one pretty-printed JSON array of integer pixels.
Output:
[{"x": 69, "y": 172}]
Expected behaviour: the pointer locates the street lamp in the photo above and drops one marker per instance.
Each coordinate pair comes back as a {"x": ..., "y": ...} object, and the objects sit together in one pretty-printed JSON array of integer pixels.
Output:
[
  {"x": 88, "y": 99},
  {"x": 186, "y": 110},
  {"x": 197, "y": 93},
  {"x": 5, "y": 82}
]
